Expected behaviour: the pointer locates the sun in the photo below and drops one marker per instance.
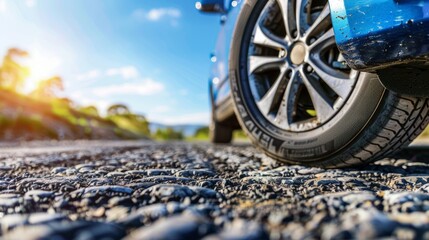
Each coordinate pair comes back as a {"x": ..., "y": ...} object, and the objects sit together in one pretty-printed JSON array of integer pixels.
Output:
[{"x": 41, "y": 67}]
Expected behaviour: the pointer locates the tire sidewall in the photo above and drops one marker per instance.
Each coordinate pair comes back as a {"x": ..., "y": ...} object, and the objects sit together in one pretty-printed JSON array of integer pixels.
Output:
[{"x": 310, "y": 146}]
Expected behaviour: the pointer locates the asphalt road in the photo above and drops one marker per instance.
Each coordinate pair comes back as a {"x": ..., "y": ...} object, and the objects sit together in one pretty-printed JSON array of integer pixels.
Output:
[{"x": 145, "y": 190}]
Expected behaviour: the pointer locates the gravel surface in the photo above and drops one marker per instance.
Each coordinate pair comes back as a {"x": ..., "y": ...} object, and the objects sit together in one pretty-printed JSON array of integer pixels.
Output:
[{"x": 143, "y": 190}]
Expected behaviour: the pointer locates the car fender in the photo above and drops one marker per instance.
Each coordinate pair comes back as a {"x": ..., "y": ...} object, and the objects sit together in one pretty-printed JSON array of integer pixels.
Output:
[{"x": 378, "y": 34}]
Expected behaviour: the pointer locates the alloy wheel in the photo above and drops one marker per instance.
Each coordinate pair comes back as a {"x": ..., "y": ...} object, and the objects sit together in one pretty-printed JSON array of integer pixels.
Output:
[{"x": 298, "y": 78}]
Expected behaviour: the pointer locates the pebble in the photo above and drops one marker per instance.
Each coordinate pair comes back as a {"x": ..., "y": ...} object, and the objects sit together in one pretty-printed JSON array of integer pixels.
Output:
[
  {"x": 101, "y": 190},
  {"x": 241, "y": 230},
  {"x": 79, "y": 230},
  {"x": 365, "y": 224},
  {"x": 195, "y": 173},
  {"x": 152, "y": 213},
  {"x": 38, "y": 195},
  {"x": 160, "y": 172},
  {"x": 17, "y": 220},
  {"x": 410, "y": 183},
  {"x": 168, "y": 192},
  {"x": 184, "y": 226},
  {"x": 9, "y": 200},
  {"x": 58, "y": 170}
]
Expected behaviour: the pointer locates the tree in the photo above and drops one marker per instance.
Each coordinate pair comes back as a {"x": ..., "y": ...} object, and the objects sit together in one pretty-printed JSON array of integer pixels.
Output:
[
  {"x": 140, "y": 118},
  {"x": 202, "y": 132},
  {"x": 142, "y": 122},
  {"x": 66, "y": 102},
  {"x": 169, "y": 134},
  {"x": 48, "y": 88},
  {"x": 12, "y": 73},
  {"x": 90, "y": 110},
  {"x": 118, "y": 109}
]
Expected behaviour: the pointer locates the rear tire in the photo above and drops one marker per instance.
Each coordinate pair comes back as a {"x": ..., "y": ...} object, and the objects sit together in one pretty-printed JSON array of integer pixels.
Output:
[
  {"x": 369, "y": 123},
  {"x": 220, "y": 133}
]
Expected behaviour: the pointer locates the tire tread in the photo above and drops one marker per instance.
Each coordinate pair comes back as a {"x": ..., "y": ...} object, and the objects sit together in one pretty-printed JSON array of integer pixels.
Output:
[{"x": 405, "y": 117}]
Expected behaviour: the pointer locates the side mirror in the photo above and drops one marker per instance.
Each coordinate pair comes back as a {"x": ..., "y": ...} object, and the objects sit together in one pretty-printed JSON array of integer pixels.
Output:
[{"x": 211, "y": 6}]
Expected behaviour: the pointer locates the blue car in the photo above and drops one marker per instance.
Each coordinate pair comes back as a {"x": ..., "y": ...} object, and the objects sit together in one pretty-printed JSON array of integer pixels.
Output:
[{"x": 321, "y": 83}]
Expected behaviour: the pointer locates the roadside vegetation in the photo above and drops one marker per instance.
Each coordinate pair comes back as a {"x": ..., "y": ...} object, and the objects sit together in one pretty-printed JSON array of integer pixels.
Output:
[
  {"x": 168, "y": 134},
  {"x": 202, "y": 135},
  {"x": 42, "y": 114}
]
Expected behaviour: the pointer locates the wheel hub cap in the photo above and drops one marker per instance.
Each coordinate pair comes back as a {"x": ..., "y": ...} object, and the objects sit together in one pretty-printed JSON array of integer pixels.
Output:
[{"x": 297, "y": 55}]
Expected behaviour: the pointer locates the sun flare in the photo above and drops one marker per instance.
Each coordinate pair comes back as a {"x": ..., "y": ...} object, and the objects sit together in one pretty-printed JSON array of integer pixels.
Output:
[{"x": 41, "y": 67}]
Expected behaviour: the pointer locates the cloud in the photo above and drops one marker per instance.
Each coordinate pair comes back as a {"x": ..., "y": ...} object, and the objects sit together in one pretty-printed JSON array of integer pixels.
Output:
[
  {"x": 192, "y": 118},
  {"x": 83, "y": 100},
  {"x": 144, "y": 88},
  {"x": 158, "y": 14},
  {"x": 93, "y": 74},
  {"x": 127, "y": 72}
]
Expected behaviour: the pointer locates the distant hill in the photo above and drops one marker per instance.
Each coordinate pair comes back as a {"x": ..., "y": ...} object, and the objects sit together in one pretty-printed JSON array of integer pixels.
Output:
[{"x": 188, "y": 130}]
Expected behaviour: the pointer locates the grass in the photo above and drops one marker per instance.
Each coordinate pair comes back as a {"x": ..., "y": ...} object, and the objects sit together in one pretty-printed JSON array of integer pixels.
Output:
[{"x": 238, "y": 135}]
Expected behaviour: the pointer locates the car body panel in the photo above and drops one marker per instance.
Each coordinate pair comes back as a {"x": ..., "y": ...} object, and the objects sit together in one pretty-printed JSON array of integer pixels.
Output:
[
  {"x": 375, "y": 34},
  {"x": 219, "y": 82}
]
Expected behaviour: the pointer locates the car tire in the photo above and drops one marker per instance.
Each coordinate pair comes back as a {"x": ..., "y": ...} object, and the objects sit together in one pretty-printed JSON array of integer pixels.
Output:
[
  {"x": 368, "y": 122},
  {"x": 219, "y": 133}
]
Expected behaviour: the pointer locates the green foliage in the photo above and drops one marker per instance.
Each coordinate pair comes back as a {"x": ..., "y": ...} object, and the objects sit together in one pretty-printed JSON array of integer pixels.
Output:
[
  {"x": 32, "y": 124},
  {"x": 121, "y": 115},
  {"x": 203, "y": 131},
  {"x": 118, "y": 109},
  {"x": 64, "y": 101},
  {"x": 134, "y": 123},
  {"x": 82, "y": 122},
  {"x": 48, "y": 88},
  {"x": 202, "y": 134},
  {"x": 12, "y": 72},
  {"x": 61, "y": 111},
  {"x": 90, "y": 110},
  {"x": 239, "y": 134},
  {"x": 168, "y": 134},
  {"x": 70, "y": 122}
]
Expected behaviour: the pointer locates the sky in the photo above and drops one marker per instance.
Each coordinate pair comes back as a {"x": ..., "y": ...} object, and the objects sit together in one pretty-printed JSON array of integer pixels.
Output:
[{"x": 152, "y": 55}]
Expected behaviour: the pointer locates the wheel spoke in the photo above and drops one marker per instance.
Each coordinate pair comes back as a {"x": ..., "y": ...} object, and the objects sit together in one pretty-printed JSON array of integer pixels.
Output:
[
  {"x": 285, "y": 7},
  {"x": 266, "y": 103},
  {"x": 337, "y": 81},
  {"x": 324, "y": 109},
  {"x": 317, "y": 24},
  {"x": 260, "y": 63},
  {"x": 264, "y": 38},
  {"x": 326, "y": 39},
  {"x": 298, "y": 16},
  {"x": 285, "y": 112}
]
